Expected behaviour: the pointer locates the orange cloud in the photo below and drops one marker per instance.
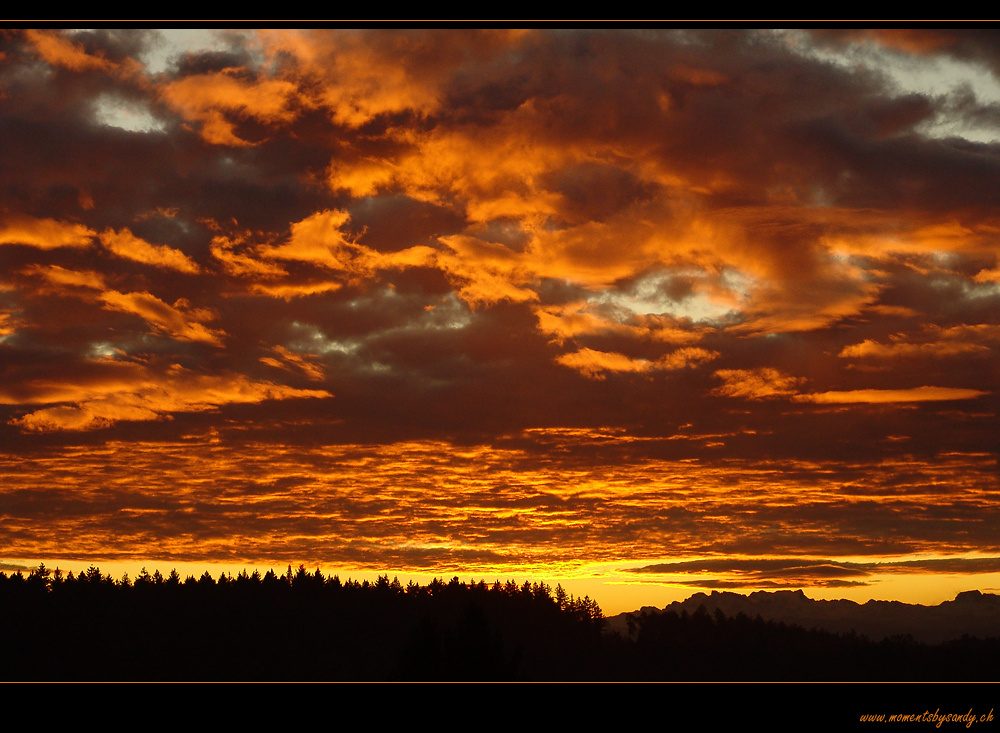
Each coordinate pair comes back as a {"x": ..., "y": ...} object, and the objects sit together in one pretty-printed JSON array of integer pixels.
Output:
[
  {"x": 876, "y": 396},
  {"x": 60, "y": 51},
  {"x": 582, "y": 318},
  {"x": 125, "y": 244},
  {"x": 294, "y": 290},
  {"x": 766, "y": 383},
  {"x": 509, "y": 170},
  {"x": 779, "y": 311},
  {"x": 487, "y": 272},
  {"x": 134, "y": 392},
  {"x": 358, "y": 76},
  {"x": 349, "y": 76},
  {"x": 947, "y": 235},
  {"x": 988, "y": 276},
  {"x": 893, "y": 311},
  {"x": 44, "y": 233},
  {"x": 596, "y": 254},
  {"x": 768, "y": 290},
  {"x": 873, "y": 349},
  {"x": 318, "y": 239},
  {"x": 177, "y": 321},
  {"x": 983, "y": 331},
  {"x": 7, "y": 324},
  {"x": 208, "y": 98},
  {"x": 242, "y": 265},
  {"x": 62, "y": 278},
  {"x": 301, "y": 361},
  {"x": 593, "y": 364},
  {"x": 756, "y": 384},
  {"x": 418, "y": 256},
  {"x": 953, "y": 341},
  {"x": 493, "y": 174}
]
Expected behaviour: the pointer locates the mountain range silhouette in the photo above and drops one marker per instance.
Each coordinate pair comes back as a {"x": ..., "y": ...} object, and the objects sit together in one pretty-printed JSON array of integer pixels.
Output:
[{"x": 972, "y": 613}]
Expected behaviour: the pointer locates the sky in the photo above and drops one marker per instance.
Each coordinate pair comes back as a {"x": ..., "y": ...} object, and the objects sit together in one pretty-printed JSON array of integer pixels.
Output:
[{"x": 643, "y": 312}]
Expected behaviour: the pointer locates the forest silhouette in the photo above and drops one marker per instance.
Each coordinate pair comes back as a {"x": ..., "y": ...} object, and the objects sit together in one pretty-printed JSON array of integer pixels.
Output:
[{"x": 303, "y": 625}]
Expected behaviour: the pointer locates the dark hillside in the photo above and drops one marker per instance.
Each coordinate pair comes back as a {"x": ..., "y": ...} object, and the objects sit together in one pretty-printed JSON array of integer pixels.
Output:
[{"x": 304, "y": 626}]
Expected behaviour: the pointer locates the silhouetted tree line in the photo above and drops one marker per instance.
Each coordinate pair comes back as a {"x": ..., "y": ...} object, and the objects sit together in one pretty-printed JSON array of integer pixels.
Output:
[
  {"x": 300, "y": 625},
  {"x": 307, "y": 626}
]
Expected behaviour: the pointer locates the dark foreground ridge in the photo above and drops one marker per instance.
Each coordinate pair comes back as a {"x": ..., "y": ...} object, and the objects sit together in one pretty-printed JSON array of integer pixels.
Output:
[
  {"x": 305, "y": 626},
  {"x": 971, "y": 614}
]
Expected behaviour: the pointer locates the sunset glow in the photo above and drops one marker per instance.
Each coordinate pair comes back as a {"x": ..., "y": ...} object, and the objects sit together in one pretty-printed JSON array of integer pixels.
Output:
[{"x": 640, "y": 312}]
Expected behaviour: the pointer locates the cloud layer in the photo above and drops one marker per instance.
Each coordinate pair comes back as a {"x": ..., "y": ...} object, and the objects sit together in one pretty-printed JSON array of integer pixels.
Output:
[{"x": 711, "y": 247}]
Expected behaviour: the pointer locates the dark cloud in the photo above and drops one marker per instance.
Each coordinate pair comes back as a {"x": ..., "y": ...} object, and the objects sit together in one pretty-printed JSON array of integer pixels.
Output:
[
  {"x": 796, "y": 573},
  {"x": 824, "y": 568}
]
